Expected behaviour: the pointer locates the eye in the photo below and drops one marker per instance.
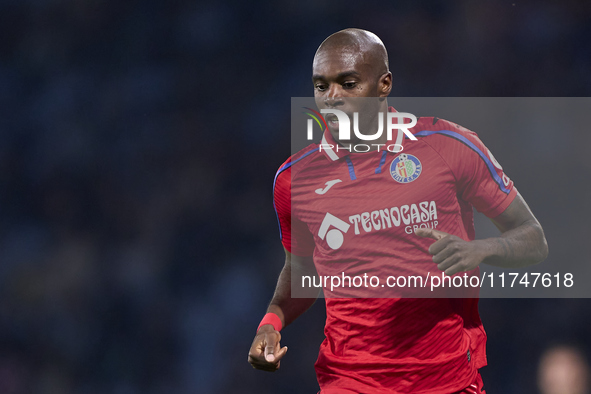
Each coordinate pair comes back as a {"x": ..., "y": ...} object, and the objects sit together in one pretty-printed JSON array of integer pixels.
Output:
[
  {"x": 349, "y": 85},
  {"x": 320, "y": 87}
]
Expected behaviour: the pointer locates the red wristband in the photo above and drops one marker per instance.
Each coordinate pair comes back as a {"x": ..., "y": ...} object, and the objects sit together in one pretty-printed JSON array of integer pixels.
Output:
[{"x": 272, "y": 319}]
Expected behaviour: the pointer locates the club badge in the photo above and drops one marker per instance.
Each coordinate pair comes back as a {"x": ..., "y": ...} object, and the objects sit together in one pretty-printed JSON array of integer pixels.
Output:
[{"x": 405, "y": 168}]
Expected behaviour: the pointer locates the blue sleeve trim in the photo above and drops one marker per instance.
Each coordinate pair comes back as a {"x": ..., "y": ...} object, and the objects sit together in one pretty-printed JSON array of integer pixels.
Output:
[
  {"x": 283, "y": 168},
  {"x": 471, "y": 145}
]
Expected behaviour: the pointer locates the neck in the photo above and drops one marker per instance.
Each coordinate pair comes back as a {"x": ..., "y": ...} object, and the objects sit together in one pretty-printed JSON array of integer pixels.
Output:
[{"x": 368, "y": 127}]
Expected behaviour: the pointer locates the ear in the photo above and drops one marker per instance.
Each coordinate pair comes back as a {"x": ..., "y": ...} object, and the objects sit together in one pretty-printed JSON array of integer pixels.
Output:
[{"x": 385, "y": 85}]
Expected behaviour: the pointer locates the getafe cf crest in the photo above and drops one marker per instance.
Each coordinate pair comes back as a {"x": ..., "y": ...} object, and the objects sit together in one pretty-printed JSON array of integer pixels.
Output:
[{"x": 405, "y": 168}]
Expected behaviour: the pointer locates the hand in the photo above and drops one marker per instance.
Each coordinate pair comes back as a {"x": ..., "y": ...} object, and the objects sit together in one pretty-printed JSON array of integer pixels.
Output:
[
  {"x": 265, "y": 352},
  {"x": 452, "y": 254}
]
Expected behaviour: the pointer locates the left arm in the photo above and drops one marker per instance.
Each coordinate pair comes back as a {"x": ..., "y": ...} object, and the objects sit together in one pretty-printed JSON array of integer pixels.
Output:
[{"x": 521, "y": 243}]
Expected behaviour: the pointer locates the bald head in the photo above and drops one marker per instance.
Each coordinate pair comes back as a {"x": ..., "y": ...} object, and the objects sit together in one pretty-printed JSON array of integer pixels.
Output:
[
  {"x": 360, "y": 43},
  {"x": 351, "y": 64}
]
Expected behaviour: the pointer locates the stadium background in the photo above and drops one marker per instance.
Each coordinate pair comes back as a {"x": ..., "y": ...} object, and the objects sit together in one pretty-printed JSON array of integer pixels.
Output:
[{"x": 139, "y": 140}]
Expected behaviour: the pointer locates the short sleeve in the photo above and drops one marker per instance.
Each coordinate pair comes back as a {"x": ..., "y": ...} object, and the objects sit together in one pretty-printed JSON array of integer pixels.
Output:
[
  {"x": 295, "y": 236},
  {"x": 481, "y": 179}
]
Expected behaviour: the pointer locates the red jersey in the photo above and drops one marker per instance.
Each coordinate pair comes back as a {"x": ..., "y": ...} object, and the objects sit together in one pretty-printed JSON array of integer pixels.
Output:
[{"x": 358, "y": 211}]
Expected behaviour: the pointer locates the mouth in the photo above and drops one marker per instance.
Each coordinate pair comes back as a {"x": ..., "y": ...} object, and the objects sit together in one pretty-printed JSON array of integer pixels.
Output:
[{"x": 332, "y": 121}]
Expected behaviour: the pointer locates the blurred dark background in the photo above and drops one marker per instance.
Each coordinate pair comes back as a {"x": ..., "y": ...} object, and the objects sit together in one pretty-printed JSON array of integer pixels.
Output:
[{"x": 138, "y": 145}]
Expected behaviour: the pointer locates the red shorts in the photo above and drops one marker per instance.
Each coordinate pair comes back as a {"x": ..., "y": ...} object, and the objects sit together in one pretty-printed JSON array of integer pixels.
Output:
[{"x": 477, "y": 387}]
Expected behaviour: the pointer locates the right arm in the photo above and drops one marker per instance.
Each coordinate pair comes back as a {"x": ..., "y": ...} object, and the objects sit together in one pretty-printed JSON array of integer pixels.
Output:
[{"x": 265, "y": 352}]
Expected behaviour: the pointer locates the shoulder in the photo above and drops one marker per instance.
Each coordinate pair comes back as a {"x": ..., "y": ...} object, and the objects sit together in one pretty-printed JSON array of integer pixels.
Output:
[
  {"x": 447, "y": 137},
  {"x": 439, "y": 131},
  {"x": 293, "y": 165},
  {"x": 297, "y": 161}
]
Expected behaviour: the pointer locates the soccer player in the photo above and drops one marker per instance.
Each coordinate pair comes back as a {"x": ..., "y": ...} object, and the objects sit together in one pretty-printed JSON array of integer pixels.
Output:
[{"x": 409, "y": 208}]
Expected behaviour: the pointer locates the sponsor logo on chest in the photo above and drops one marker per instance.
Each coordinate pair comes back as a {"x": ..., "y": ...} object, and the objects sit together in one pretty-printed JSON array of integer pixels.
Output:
[{"x": 412, "y": 217}]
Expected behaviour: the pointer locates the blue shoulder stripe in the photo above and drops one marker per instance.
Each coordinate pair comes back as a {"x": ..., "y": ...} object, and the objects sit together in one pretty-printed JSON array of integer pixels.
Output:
[
  {"x": 351, "y": 168},
  {"x": 283, "y": 168},
  {"x": 471, "y": 145}
]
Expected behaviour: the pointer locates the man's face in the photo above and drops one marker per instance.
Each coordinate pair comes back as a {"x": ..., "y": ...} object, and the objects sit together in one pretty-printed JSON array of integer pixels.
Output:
[{"x": 340, "y": 75}]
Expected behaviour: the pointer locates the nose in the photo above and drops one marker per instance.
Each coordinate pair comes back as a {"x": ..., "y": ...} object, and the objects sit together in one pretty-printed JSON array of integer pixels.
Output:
[{"x": 333, "y": 96}]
